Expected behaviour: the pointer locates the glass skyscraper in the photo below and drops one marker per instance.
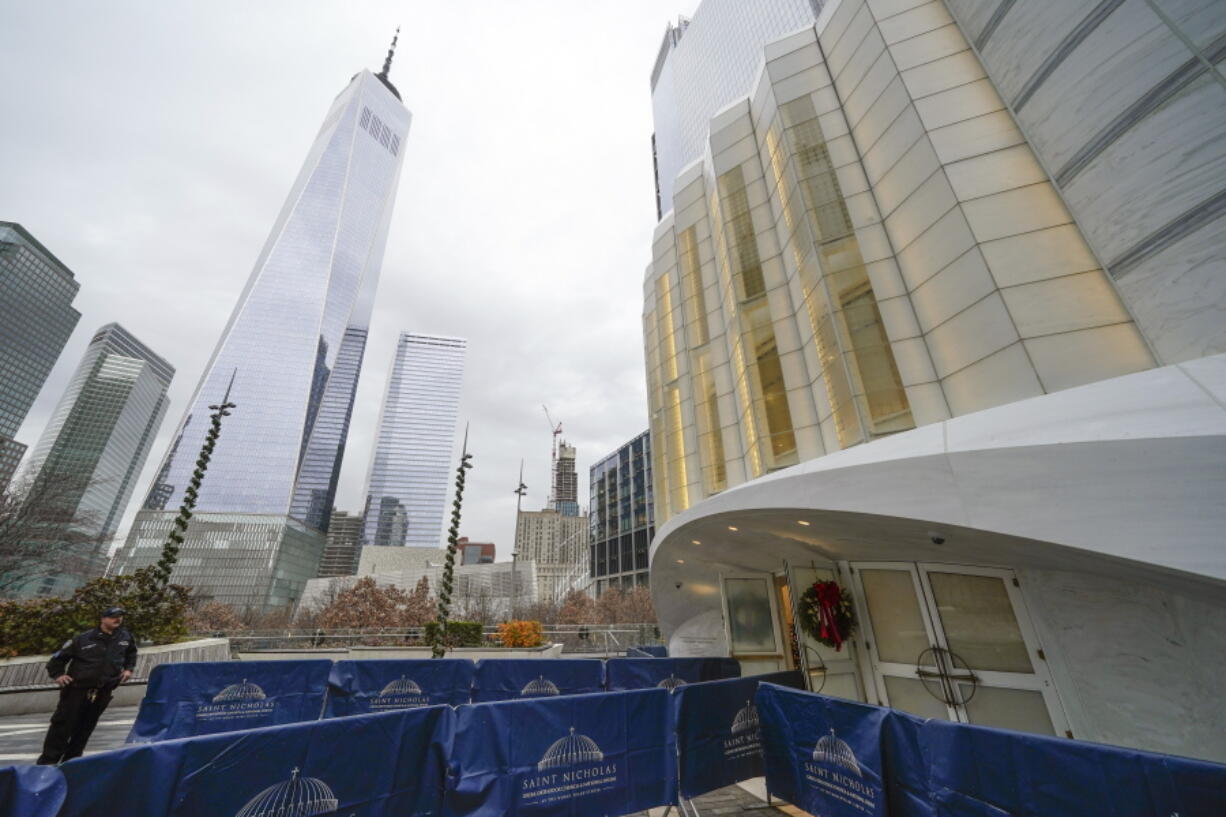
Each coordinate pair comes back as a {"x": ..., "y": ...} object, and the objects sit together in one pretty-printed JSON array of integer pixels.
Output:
[
  {"x": 36, "y": 318},
  {"x": 406, "y": 490},
  {"x": 99, "y": 438},
  {"x": 622, "y": 517},
  {"x": 289, "y": 356}
]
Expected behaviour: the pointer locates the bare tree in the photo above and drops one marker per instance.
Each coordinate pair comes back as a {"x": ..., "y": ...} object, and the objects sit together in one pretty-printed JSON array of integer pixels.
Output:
[{"x": 44, "y": 533}]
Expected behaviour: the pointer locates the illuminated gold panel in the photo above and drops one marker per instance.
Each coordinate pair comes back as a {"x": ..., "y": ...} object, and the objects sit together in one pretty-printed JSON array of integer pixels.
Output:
[
  {"x": 710, "y": 435},
  {"x": 691, "y": 287},
  {"x": 678, "y": 481},
  {"x": 668, "y": 333},
  {"x": 739, "y": 233}
]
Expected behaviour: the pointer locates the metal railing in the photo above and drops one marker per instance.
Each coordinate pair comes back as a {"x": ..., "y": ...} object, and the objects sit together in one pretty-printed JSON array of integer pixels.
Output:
[{"x": 590, "y": 639}]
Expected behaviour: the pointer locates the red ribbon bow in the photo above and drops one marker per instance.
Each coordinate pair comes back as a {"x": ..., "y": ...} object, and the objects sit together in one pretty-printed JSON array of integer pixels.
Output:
[{"x": 829, "y": 597}]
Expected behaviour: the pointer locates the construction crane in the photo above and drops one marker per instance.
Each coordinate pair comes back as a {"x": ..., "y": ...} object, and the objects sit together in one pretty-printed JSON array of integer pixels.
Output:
[{"x": 556, "y": 428}]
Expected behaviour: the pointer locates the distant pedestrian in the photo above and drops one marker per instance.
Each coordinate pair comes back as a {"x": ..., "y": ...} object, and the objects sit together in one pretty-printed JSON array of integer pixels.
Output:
[{"x": 87, "y": 669}]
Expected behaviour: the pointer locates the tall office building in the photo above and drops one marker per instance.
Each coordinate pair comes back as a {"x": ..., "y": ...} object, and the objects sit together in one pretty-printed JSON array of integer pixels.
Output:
[
  {"x": 565, "y": 481},
  {"x": 622, "y": 516},
  {"x": 98, "y": 439},
  {"x": 343, "y": 547},
  {"x": 289, "y": 358},
  {"x": 557, "y": 544},
  {"x": 937, "y": 313},
  {"x": 36, "y": 318},
  {"x": 410, "y": 469},
  {"x": 703, "y": 64}
]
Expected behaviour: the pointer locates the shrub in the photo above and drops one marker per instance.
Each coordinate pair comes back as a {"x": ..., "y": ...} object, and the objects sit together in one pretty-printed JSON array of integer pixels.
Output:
[
  {"x": 459, "y": 633},
  {"x": 41, "y": 626},
  {"x": 520, "y": 634}
]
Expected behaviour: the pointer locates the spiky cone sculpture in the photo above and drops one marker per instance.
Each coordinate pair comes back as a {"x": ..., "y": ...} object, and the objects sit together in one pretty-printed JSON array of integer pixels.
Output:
[
  {"x": 439, "y": 641},
  {"x": 174, "y": 539}
]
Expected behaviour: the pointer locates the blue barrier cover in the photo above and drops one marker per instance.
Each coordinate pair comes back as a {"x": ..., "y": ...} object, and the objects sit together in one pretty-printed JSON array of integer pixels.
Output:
[
  {"x": 718, "y": 738},
  {"x": 976, "y": 771},
  {"x": 669, "y": 673},
  {"x": 500, "y": 679},
  {"x": 31, "y": 791},
  {"x": 583, "y": 755},
  {"x": 380, "y": 685},
  {"x": 136, "y": 780},
  {"x": 385, "y": 765},
  {"x": 823, "y": 754},
  {"x": 221, "y": 696}
]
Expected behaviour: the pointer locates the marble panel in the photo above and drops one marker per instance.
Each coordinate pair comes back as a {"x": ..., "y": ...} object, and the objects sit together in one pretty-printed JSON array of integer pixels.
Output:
[
  {"x": 886, "y": 280},
  {"x": 951, "y": 290},
  {"x": 1015, "y": 211},
  {"x": 1073, "y": 358},
  {"x": 943, "y": 74},
  {"x": 851, "y": 179},
  {"x": 724, "y": 138},
  {"x": 881, "y": 114},
  {"x": 834, "y": 124},
  {"x": 914, "y": 22},
  {"x": 1037, "y": 255},
  {"x": 1026, "y": 36},
  {"x": 916, "y": 165},
  {"x": 924, "y": 48},
  {"x": 914, "y": 364},
  {"x": 841, "y": 49},
  {"x": 898, "y": 318},
  {"x": 1178, "y": 296},
  {"x": 896, "y": 140},
  {"x": 797, "y": 85},
  {"x": 1200, "y": 21},
  {"x": 1210, "y": 374},
  {"x": 973, "y": 14},
  {"x": 1000, "y": 378},
  {"x": 928, "y": 404},
  {"x": 842, "y": 150},
  {"x": 862, "y": 209},
  {"x": 958, "y": 104},
  {"x": 859, "y": 93},
  {"x": 1064, "y": 304},
  {"x": 1130, "y": 52},
  {"x": 888, "y": 8},
  {"x": 920, "y": 210},
  {"x": 862, "y": 59},
  {"x": 972, "y": 137},
  {"x": 994, "y": 172},
  {"x": 972, "y": 334},
  {"x": 834, "y": 21},
  {"x": 1175, "y": 159},
  {"x": 940, "y": 244},
  {"x": 874, "y": 246},
  {"x": 789, "y": 44}
]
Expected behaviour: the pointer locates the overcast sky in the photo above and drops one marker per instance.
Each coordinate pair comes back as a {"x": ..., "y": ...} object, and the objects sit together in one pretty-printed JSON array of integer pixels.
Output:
[{"x": 151, "y": 146}]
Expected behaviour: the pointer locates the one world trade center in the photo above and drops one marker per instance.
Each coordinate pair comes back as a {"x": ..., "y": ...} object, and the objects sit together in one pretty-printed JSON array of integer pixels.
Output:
[{"x": 289, "y": 358}]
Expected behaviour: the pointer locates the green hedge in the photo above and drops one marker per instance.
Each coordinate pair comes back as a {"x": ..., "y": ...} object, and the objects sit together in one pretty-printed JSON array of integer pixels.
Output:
[
  {"x": 41, "y": 626},
  {"x": 459, "y": 633}
]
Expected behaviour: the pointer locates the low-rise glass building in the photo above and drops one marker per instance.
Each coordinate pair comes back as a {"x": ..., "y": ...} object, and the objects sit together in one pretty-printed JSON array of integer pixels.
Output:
[{"x": 622, "y": 516}]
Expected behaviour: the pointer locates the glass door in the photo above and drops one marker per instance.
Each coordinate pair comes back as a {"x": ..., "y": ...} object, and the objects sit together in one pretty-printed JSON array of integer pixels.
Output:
[
  {"x": 830, "y": 671},
  {"x": 751, "y": 623},
  {"x": 955, "y": 642}
]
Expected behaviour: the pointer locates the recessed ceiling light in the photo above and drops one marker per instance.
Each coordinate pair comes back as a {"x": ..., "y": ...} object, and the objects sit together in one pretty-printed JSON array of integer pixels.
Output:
[
  {"x": 696, "y": 542},
  {"x": 732, "y": 527},
  {"x": 802, "y": 522},
  {"x": 681, "y": 561}
]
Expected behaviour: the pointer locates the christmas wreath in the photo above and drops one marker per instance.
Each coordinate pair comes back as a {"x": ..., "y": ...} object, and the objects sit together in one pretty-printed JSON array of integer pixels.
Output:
[{"x": 826, "y": 614}]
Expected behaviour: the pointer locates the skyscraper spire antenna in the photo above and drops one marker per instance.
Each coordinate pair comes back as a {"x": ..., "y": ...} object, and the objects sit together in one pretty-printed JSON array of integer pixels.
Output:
[{"x": 391, "y": 52}]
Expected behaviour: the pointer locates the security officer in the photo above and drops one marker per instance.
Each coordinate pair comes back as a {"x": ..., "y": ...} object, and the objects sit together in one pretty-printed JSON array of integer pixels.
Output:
[{"x": 87, "y": 669}]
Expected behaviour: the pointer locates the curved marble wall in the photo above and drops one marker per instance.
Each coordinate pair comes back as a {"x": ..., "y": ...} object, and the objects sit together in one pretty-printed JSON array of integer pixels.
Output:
[{"x": 1124, "y": 102}]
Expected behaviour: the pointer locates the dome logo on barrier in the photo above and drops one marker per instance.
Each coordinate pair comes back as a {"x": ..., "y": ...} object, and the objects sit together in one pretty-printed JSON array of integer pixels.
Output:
[
  {"x": 671, "y": 682},
  {"x": 241, "y": 700},
  {"x": 746, "y": 735},
  {"x": 244, "y": 691},
  {"x": 296, "y": 797},
  {"x": 569, "y": 751},
  {"x": 539, "y": 687},
  {"x": 573, "y": 766},
  {"x": 830, "y": 749},
  {"x": 403, "y": 693}
]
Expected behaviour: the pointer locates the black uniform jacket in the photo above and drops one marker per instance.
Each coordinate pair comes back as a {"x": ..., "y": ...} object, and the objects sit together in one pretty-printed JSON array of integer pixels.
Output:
[{"x": 95, "y": 659}]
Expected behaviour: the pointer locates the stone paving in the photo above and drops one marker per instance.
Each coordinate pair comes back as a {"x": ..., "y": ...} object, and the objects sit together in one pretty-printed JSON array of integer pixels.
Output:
[{"x": 732, "y": 800}]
